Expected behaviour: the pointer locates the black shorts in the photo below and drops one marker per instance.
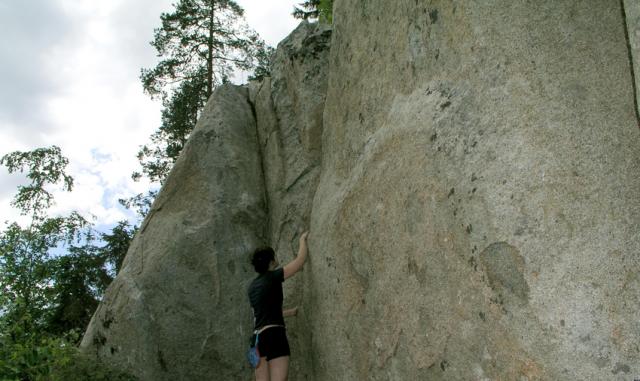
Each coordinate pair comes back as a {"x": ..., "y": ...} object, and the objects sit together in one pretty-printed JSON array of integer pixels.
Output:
[{"x": 273, "y": 343}]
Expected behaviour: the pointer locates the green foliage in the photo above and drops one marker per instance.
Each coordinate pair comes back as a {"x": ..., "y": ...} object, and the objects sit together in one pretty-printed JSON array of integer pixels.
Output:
[
  {"x": 263, "y": 67},
  {"x": 179, "y": 117},
  {"x": 27, "y": 356},
  {"x": 48, "y": 300},
  {"x": 117, "y": 245},
  {"x": 26, "y": 279},
  {"x": 315, "y": 9},
  {"x": 141, "y": 203},
  {"x": 201, "y": 43},
  {"x": 199, "y": 34},
  {"x": 79, "y": 278},
  {"x": 44, "y": 166}
]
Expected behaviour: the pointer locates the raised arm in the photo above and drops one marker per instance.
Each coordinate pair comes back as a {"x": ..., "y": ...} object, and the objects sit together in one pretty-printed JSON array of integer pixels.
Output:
[
  {"x": 290, "y": 312},
  {"x": 296, "y": 265}
]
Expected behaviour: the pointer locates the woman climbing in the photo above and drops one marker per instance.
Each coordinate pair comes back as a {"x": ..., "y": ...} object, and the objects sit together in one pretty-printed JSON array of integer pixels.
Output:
[{"x": 265, "y": 296}]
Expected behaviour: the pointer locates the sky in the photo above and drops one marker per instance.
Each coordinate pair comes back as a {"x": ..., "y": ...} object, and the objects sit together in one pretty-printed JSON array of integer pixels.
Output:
[{"x": 69, "y": 74}]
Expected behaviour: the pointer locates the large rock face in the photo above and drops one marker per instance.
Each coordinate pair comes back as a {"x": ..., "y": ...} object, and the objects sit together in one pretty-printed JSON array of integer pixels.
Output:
[
  {"x": 478, "y": 210},
  {"x": 470, "y": 173},
  {"x": 177, "y": 310}
]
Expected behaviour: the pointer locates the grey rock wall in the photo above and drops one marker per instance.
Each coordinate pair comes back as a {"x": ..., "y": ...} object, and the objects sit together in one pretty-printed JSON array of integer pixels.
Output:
[
  {"x": 177, "y": 310},
  {"x": 289, "y": 108},
  {"x": 469, "y": 172},
  {"x": 478, "y": 209},
  {"x": 246, "y": 178}
]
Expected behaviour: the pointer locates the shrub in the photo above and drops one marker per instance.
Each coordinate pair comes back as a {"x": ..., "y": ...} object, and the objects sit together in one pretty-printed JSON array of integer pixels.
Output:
[{"x": 30, "y": 357}]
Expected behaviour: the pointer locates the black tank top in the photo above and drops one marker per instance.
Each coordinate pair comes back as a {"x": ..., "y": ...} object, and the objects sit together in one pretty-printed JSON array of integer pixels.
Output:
[{"x": 265, "y": 296}]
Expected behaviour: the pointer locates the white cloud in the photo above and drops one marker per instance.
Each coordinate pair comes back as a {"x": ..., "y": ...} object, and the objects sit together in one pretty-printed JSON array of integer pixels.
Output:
[
  {"x": 73, "y": 81},
  {"x": 271, "y": 19}
]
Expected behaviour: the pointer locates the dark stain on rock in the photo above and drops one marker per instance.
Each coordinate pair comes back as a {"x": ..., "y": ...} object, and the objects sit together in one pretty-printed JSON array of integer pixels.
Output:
[
  {"x": 433, "y": 16},
  {"x": 482, "y": 316},
  {"x": 562, "y": 322},
  {"x": 621, "y": 368},
  {"x": 107, "y": 322},
  {"x": 445, "y": 105},
  {"x": 99, "y": 339},
  {"x": 417, "y": 271},
  {"x": 415, "y": 212},
  {"x": 161, "y": 361},
  {"x": 433, "y": 137},
  {"x": 443, "y": 365},
  {"x": 504, "y": 267},
  {"x": 231, "y": 266},
  {"x": 452, "y": 191},
  {"x": 472, "y": 262},
  {"x": 113, "y": 350},
  {"x": 330, "y": 262},
  {"x": 469, "y": 229}
]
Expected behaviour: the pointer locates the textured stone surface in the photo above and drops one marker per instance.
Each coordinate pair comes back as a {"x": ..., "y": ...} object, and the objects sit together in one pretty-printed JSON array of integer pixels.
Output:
[
  {"x": 473, "y": 203},
  {"x": 289, "y": 110},
  {"x": 177, "y": 310},
  {"x": 454, "y": 131}
]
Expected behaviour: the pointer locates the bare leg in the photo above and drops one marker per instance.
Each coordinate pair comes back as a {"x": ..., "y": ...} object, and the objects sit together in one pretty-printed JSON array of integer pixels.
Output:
[
  {"x": 262, "y": 371},
  {"x": 279, "y": 368}
]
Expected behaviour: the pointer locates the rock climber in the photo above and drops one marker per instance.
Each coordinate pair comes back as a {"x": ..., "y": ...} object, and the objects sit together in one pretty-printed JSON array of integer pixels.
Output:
[{"x": 265, "y": 296}]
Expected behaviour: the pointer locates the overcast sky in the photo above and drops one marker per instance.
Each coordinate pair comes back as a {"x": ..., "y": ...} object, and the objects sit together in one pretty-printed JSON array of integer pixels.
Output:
[{"x": 70, "y": 77}]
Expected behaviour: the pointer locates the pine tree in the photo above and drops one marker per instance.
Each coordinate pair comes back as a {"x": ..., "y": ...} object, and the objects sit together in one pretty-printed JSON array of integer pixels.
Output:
[{"x": 202, "y": 43}]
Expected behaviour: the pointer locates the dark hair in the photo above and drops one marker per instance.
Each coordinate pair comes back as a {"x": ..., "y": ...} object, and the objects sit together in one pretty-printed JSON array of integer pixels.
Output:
[{"x": 261, "y": 259}]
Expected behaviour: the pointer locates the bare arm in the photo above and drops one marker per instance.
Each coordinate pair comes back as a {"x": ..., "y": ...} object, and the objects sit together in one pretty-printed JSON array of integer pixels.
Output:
[
  {"x": 296, "y": 265},
  {"x": 290, "y": 312}
]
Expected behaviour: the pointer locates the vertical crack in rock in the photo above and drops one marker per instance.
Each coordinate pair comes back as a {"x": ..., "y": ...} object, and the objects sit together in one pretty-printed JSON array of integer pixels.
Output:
[
  {"x": 626, "y": 27},
  {"x": 267, "y": 206}
]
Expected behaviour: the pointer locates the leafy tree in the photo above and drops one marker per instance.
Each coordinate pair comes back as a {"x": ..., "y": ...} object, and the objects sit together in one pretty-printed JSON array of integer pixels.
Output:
[
  {"x": 315, "y": 9},
  {"x": 263, "y": 63},
  {"x": 47, "y": 300},
  {"x": 25, "y": 277},
  {"x": 47, "y": 358},
  {"x": 179, "y": 116},
  {"x": 82, "y": 276},
  {"x": 57, "y": 292},
  {"x": 201, "y": 43},
  {"x": 79, "y": 279},
  {"x": 117, "y": 245},
  {"x": 141, "y": 203}
]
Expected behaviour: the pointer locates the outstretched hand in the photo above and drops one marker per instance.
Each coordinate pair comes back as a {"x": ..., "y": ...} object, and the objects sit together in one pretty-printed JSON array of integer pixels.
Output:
[{"x": 296, "y": 265}]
